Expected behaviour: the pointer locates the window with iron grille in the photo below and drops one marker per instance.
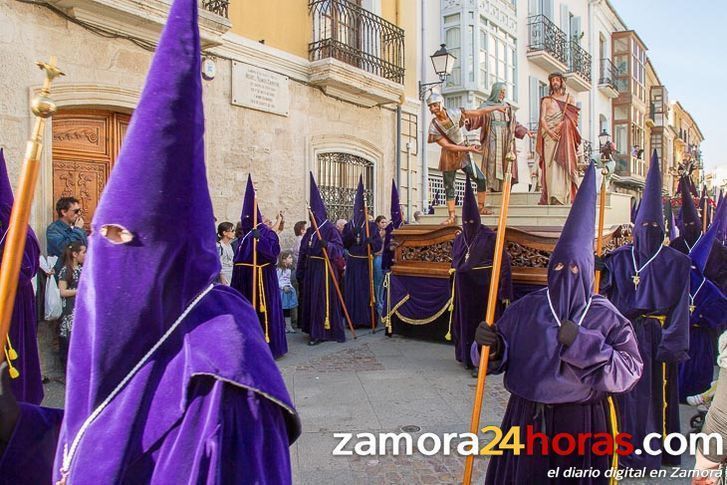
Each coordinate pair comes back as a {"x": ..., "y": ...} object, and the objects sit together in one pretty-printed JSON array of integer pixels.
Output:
[
  {"x": 337, "y": 179},
  {"x": 436, "y": 188}
]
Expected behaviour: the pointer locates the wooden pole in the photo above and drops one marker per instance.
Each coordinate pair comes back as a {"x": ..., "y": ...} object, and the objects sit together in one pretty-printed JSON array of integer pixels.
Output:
[
  {"x": 489, "y": 317},
  {"x": 704, "y": 214},
  {"x": 332, "y": 274},
  {"x": 371, "y": 268},
  {"x": 599, "y": 241},
  {"x": 43, "y": 107},
  {"x": 254, "y": 251}
]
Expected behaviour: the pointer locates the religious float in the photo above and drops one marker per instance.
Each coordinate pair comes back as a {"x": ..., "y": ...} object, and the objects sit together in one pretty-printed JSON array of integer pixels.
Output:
[{"x": 419, "y": 299}]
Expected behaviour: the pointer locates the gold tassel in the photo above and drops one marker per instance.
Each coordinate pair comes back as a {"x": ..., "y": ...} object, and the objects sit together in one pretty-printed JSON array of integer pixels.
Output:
[
  {"x": 448, "y": 337},
  {"x": 14, "y": 374},
  {"x": 12, "y": 354}
]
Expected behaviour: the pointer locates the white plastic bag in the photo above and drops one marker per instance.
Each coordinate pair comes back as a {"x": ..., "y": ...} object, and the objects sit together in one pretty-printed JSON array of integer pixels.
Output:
[{"x": 53, "y": 302}]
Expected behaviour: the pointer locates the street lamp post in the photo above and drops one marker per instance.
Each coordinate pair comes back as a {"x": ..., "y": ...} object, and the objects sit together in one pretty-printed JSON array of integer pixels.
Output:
[{"x": 443, "y": 62}]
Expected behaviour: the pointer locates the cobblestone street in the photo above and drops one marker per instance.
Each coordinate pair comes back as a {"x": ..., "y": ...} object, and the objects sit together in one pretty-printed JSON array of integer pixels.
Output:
[{"x": 374, "y": 384}]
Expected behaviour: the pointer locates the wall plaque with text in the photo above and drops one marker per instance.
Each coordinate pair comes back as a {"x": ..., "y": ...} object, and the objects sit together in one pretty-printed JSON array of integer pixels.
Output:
[{"x": 260, "y": 89}]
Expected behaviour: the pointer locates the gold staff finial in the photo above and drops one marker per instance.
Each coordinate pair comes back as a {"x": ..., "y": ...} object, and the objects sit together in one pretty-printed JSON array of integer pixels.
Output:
[{"x": 42, "y": 105}]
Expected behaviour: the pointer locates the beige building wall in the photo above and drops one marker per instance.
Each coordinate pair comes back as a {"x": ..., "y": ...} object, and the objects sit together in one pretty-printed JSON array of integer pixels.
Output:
[{"x": 109, "y": 74}]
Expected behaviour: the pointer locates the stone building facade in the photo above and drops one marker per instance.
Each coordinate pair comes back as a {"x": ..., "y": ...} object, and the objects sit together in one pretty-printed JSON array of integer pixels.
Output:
[{"x": 338, "y": 120}]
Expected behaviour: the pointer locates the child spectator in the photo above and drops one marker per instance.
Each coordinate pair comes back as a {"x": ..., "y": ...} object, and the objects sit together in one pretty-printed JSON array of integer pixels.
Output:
[
  {"x": 225, "y": 234},
  {"x": 73, "y": 256},
  {"x": 288, "y": 295}
]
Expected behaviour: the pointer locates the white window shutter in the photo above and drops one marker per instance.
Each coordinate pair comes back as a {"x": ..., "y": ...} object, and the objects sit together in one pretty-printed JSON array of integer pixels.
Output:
[{"x": 534, "y": 100}]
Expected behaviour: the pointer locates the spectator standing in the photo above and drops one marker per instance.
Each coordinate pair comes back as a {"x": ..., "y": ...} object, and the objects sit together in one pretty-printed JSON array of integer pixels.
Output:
[
  {"x": 68, "y": 277},
  {"x": 288, "y": 295},
  {"x": 225, "y": 233},
  {"x": 66, "y": 229}
]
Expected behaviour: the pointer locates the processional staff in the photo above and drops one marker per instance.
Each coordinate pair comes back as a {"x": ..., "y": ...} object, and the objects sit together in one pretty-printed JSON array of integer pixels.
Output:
[
  {"x": 490, "y": 314},
  {"x": 43, "y": 107}
]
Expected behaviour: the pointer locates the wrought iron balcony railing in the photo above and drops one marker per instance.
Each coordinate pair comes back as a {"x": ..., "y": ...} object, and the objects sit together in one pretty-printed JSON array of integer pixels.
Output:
[
  {"x": 349, "y": 33},
  {"x": 580, "y": 61},
  {"x": 218, "y": 7},
  {"x": 543, "y": 35},
  {"x": 608, "y": 73}
]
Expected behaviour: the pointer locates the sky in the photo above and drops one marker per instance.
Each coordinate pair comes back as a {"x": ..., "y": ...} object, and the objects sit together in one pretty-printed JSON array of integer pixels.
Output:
[{"x": 686, "y": 45}]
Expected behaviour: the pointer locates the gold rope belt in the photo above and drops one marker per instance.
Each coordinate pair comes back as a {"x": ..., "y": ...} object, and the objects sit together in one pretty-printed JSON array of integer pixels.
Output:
[
  {"x": 358, "y": 257},
  {"x": 662, "y": 321},
  {"x": 261, "y": 291},
  {"x": 614, "y": 432},
  {"x": 327, "y": 322},
  {"x": 451, "y": 299}
]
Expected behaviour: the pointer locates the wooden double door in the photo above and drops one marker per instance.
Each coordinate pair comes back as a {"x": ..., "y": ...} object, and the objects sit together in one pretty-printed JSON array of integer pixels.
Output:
[{"x": 86, "y": 144}]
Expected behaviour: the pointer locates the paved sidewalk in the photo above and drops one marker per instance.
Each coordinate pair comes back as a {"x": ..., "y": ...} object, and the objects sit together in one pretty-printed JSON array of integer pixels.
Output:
[{"x": 377, "y": 384}]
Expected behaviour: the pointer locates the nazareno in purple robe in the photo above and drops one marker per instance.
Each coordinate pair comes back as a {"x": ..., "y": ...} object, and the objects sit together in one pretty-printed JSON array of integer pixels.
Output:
[
  {"x": 169, "y": 377},
  {"x": 358, "y": 277},
  {"x": 272, "y": 321},
  {"x": 472, "y": 255},
  {"x": 716, "y": 267},
  {"x": 357, "y": 285},
  {"x": 658, "y": 308},
  {"x": 23, "y": 332},
  {"x": 707, "y": 320},
  {"x": 320, "y": 311},
  {"x": 690, "y": 224},
  {"x": 561, "y": 389},
  {"x": 387, "y": 256}
]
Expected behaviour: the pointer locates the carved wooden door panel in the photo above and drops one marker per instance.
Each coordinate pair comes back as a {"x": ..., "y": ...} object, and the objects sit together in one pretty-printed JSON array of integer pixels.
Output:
[{"x": 85, "y": 146}]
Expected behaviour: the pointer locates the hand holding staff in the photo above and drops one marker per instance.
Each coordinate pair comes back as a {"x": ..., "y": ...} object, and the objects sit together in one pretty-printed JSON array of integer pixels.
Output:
[
  {"x": 327, "y": 261},
  {"x": 43, "y": 107},
  {"x": 490, "y": 316}
]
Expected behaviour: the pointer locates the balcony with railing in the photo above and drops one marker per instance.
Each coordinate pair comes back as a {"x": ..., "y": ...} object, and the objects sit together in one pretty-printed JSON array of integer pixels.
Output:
[
  {"x": 355, "y": 54},
  {"x": 547, "y": 44},
  {"x": 579, "y": 67},
  {"x": 607, "y": 78},
  {"x": 144, "y": 19}
]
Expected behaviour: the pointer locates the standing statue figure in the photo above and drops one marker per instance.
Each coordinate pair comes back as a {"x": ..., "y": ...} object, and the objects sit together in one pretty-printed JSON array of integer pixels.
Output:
[
  {"x": 557, "y": 144},
  {"x": 446, "y": 129},
  {"x": 496, "y": 138}
]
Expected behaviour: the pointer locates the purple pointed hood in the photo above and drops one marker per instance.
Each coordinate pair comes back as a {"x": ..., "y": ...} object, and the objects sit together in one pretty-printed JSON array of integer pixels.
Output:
[
  {"x": 132, "y": 292},
  {"x": 720, "y": 220},
  {"x": 470, "y": 213},
  {"x": 396, "y": 218},
  {"x": 570, "y": 269},
  {"x": 316, "y": 202},
  {"x": 359, "y": 214},
  {"x": 248, "y": 203},
  {"x": 649, "y": 227},
  {"x": 700, "y": 252},
  {"x": 689, "y": 225}
]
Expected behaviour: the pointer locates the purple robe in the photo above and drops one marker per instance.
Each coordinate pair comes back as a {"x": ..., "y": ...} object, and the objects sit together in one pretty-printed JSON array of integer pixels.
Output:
[
  {"x": 716, "y": 268},
  {"x": 472, "y": 287},
  {"x": 209, "y": 406},
  {"x": 272, "y": 321},
  {"x": 320, "y": 305},
  {"x": 23, "y": 332},
  {"x": 706, "y": 322},
  {"x": 357, "y": 277},
  {"x": 663, "y": 291},
  {"x": 557, "y": 389},
  {"x": 28, "y": 457}
]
